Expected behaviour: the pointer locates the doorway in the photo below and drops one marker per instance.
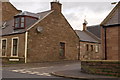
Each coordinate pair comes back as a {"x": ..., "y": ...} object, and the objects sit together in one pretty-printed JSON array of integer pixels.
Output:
[{"x": 62, "y": 50}]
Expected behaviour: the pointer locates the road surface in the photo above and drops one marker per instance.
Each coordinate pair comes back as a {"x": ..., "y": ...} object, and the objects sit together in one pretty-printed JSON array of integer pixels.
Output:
[{"x": 39, "y": 71}]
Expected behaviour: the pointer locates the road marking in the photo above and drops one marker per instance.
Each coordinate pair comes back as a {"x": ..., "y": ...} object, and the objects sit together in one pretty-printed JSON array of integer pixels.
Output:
[
  {"x": 44, "y": 74},
  {"x": 19, "y": 70},
  {"x": 33, "y": 73},
  {"x": 15, "y": 70},
  {"x": 23, "y": 72},
  {"x": 30, "y": 72},
  {"x": 39, "y": 68},
  {"x": 27, "y": 71}
]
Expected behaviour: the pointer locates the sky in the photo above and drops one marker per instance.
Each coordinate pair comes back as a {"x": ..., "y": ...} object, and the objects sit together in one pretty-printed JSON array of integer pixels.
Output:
[{"x": 75, "y": 11}]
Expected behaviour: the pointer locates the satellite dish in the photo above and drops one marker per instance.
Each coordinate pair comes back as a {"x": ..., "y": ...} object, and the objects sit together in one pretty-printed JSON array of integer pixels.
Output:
[
  {"x": 4, "y": 25},
  {"x": 39, "y": 29}
]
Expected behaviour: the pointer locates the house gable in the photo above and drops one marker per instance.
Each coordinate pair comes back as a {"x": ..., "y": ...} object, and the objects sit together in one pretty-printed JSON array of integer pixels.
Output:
[
  {"x": 113, "y": 17},
  {"x": 8, "y": 11},
  {"x": 56, "y": 29}
]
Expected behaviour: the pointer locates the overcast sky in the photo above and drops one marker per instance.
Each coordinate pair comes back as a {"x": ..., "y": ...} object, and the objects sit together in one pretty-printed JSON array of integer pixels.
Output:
[{"x": 74, "y": 10}]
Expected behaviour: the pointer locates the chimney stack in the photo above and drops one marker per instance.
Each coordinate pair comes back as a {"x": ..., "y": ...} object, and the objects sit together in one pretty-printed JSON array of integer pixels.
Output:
[
  {"x": 56, "y": 6},
  {"x": 85, "y": 25}
]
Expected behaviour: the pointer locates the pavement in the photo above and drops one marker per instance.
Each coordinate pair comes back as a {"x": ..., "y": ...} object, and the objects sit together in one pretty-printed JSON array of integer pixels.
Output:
[{"x": 77, "y": 74}]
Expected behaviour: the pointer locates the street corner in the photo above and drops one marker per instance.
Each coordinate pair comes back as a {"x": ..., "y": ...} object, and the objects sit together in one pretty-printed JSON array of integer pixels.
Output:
[
  {"x": 63, "y": 74},
  {"x": 81, "y": 76}
]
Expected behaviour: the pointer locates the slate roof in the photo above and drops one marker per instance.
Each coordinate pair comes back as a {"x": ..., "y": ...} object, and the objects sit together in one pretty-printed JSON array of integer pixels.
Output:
[
  {"x": 86, "y": 36},
  {"x": 42, "y": 14},
  {"x": 9, "y": 29},
  {"x": 96, "y": 30},
  {"x": 25, "y": 13}
]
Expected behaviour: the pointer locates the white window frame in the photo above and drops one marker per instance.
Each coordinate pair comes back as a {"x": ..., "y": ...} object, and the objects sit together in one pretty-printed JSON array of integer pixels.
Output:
[
  {"x": 6, "y": 47},
  {"x": 96, "y": 48},
  {"x": 12, "y": 46}
]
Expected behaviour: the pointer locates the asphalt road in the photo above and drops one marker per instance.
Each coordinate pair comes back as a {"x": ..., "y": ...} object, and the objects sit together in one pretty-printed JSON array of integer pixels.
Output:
[{"x": 41, "y": 71}]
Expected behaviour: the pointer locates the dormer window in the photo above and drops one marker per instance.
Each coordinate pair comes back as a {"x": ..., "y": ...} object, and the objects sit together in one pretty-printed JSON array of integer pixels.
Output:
[
  {"x": 25, "y": 19},
  {"x": 19, "y": 22}
]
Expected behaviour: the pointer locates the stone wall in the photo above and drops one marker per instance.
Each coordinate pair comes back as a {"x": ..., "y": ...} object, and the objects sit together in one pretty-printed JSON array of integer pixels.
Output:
[
  {"x": 112, "y": 46},
  {"x": 109, "y": 68},
  {"x": 112, "y": 43},
  {"x": 8, "y": 11},
  {"x": 90, "y": 54}
]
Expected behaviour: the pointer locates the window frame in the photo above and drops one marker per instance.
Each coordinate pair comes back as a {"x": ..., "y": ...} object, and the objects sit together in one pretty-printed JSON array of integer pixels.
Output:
[
  {"x": 19, "y": 22},
  {"x": 97, "y": 48},
  {"x": 6, "y": 47},
  {"x": 12, "y": 46},
  {"x": 22, "y": 22},
  {"x": 87, "y": 47},
  {"x": 92, "y": 47}
]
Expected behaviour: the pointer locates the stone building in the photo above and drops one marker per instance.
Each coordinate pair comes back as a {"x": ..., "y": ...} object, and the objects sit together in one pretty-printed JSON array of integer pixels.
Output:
[
  {"x": 110, "y": 34},
  {"x": 90, "y": 43},
  {"x": 37, "y": 37}
]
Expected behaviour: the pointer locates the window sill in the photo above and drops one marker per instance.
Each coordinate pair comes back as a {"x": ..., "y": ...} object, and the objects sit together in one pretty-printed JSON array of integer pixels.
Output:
[
  {"x": 13, "y": 56},
  {"x": 18, "y": 28}
]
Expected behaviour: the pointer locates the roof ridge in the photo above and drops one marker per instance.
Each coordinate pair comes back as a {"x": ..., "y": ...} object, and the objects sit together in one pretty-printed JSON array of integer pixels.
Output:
[
  {"x": 43, "y": 11},
  {"x": 93, "y": 25},
  {"x": 77, "y": 30}
]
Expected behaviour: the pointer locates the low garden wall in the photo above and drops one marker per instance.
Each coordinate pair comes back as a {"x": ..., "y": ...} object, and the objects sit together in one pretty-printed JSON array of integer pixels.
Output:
[{"x": 109, "y": 68}]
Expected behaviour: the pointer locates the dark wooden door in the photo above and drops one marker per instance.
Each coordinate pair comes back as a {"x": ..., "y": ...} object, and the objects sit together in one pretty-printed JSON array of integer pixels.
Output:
[{"x": 62, "y": 50}]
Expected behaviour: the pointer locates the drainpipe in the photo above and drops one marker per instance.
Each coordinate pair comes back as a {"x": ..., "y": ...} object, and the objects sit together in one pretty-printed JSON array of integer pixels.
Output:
[
  {"x": 79, "y": 51},
  {"x": 26, "y": 41},
  {"x": 105, "y": 43}
]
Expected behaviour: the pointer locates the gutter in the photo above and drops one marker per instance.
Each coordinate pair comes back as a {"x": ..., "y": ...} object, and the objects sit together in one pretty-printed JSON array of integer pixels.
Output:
[
  {"x": 112, "y": 25},
  {"x": 11, "y": 34},
  {"x": 90, "y": 42},
  {"x": 26, "y": 42},
  {"x": 79, "y": 52}
]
